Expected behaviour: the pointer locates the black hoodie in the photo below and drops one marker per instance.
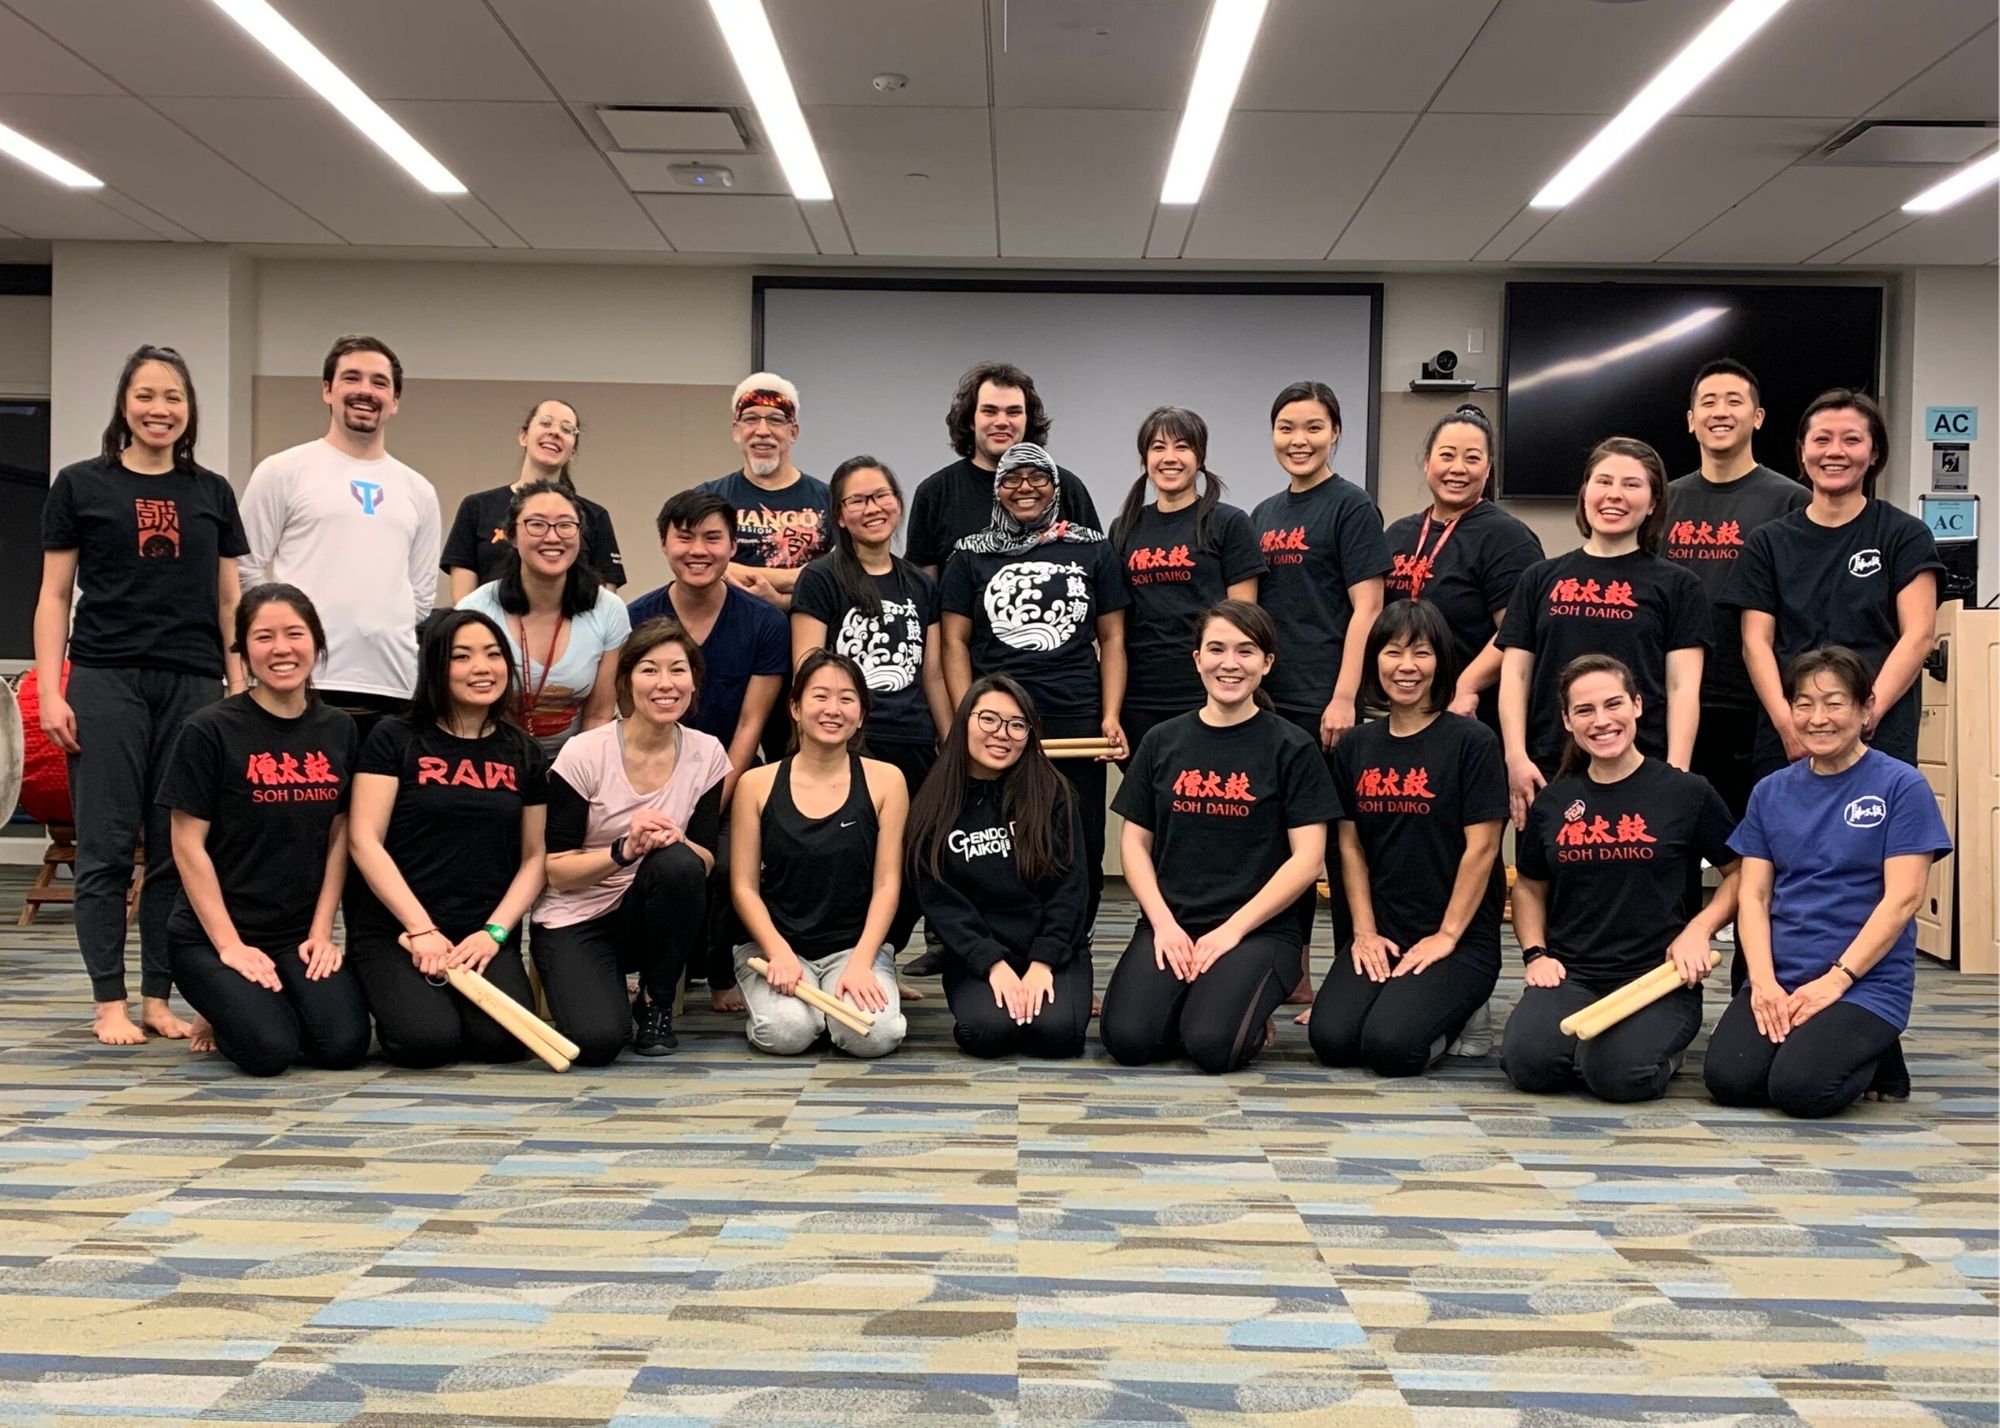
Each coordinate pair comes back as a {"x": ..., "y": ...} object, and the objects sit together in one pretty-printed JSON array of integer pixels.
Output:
[{"x": 982, "y": 908}]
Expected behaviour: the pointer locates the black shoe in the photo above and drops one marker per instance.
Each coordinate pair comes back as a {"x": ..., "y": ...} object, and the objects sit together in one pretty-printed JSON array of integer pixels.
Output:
[
  {"x": 927, "y": 963},
  {"x": 654, "y": 1035},
  {"x": 1892, "y": 1076}
]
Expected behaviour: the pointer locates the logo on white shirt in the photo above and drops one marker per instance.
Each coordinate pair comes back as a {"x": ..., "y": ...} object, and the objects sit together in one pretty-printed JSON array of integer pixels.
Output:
[
  {"x": 1867, "y": 811},
  {"x": 1864, "y": 563},
  {"x": 368, "y": 493}
]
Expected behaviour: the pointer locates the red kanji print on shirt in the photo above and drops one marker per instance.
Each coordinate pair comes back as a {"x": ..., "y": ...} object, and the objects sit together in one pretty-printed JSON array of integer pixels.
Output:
[
  {"x": 282, "y": 778},
  {"x": 1284, "y": 547},
  {"x": 1698, "y": 540},
  {"x": 1596, "y": 839},
  {"x": 1586, "y": 599},
  {"x": 1211, "y": 793},
  {"x": 1409, "y": 573},
  {"x": 1393, "y": 791},
  {"x": 1149, "y": 565},
  {"x": 159, "y": 528}
]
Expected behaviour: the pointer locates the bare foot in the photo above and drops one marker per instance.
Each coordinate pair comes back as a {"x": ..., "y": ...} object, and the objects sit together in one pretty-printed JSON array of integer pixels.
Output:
[
  {"x": 156, "y": 1015},
  {"x": 1302, "y": 994},
  {"x": 1097, "y": 1006},
  {"x": 203, "y": 1038},
  {"x": 112, "y": 1021},
  {"x": 907, "y": 992},
  {"x": 1270, "y": 1033},
  {"x": 728, "y": 1001},
  {"x": 1304, "y": 1018}
]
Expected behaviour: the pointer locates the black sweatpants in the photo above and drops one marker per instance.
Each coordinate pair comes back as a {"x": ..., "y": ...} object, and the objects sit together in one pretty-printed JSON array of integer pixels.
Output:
[
  {"x": 1390, "y": 1027},
  {"x": 1088, "y": 779},
  {"x": 320, "y": 1023},
  {"x": 126, "y": 723},
  {"x": 721, "y": 929},
  {"x": 653, "y": 930},
  {"x": 1338, "y": 913},
  {"x": 1632, "y": 1061},
  {"x": 420, "y": 1024},
  {"x": 1722, "y": 754},
  {"x": 914, "y": 761},
  {"x": 1217, "y": 1019},
  {"x": 982, "y": 1029},
  {"x": 1819, "y": 1069}
]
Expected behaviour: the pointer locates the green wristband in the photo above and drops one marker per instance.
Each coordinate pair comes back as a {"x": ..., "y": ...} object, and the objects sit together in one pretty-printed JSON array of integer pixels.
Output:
[{"x": 498, "y": 933}]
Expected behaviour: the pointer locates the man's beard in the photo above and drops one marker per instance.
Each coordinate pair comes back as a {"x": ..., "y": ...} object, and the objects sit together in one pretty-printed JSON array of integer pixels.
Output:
[{"x": 763, "y": 465}]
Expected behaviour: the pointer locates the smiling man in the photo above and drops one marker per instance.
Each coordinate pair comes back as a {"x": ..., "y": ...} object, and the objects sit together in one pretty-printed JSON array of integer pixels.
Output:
[
  {"x": 354, "y": 528},
  {"x": 782, "y": 515}
]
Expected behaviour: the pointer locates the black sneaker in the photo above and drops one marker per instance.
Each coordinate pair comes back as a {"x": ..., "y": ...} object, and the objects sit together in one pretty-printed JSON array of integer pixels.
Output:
[{"x": 654, "y": 1034}]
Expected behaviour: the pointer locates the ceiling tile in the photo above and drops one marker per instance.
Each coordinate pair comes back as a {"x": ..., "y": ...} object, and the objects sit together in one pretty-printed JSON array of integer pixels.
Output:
[
  {"x": 1170, "y": 229},
  {"x": 1969, "y": 233},
  {"x": 1079, "y": 183},
  {"x": 1518, "y": 230},
  {"x": 1963, "y": 85},
  {"x": 488, "y": 224},
  {"x": 532, "y": 166},
  {"x": 828, "y": 231},
  {"x": 1260, "y": 202},
  {"x": 832, "y": 53},
  {"x": 418, "y": 49},
  {"x": 653, "y": 173},
  {"x": 185, "y": 47},
  {"x": 1357, "y": 55},
  {"x": 730, "y": 223},
  {"x": 1836, "y": 56},
  {"x": 35, "y": 208},
  {"x": 1854, "y": 242},
  {"x": 1568, "y": 56},
  {"x": 626, "y": 51},
  {"x": 32, "y": 63},
  {"x": 1801, "y": 211},
  {"x": 1094, "y": 54},
  {"x": 872, "y": 156},
  {"x": 1456, "y": 181}
]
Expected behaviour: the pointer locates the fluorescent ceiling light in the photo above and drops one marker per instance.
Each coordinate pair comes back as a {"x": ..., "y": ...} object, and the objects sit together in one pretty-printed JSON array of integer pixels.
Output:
[
  {"x": 1586, "y": 366},
  {"x": 746, "y": 29},
  {"x": 21, "y": 147},
  {"x": 1963, "y": 184},
  {"x": 298, "y": 54},
  {"x": 1706, "y": 53},
  {"x": 1218, "y": 71}
]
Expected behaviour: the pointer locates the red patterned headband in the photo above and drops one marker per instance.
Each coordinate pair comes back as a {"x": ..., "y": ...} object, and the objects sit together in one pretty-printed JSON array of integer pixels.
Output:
[{"x": 765, "y": 398}]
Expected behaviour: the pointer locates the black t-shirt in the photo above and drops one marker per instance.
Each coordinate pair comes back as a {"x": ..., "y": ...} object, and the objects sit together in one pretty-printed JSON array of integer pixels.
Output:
[
  {"x": 455, "y": 830},
  {"x": 149, "y": 554},
  {"x": 1709, "y": 524},
  {"x": 1634, "y": 607},
  {"x": 1469, "y": 574},
  {"x": 269, "y": 789},
  {"x": 1172, "y": 580},
  {"x": 1838, "y": 585},
  {"x": 889, "y": 647},
  {"x": 1220, "y": 804},
  {"x": 956, "y": 501},
  {"x": 1034, "y": 616},
  {"x": 1616, "y": 858},
  {"x": 1410, "y": 800},
  {"x": 478, "y": 538},
  {"x": 1317, "y": 543},
  {"x": 777, "y": 530}
]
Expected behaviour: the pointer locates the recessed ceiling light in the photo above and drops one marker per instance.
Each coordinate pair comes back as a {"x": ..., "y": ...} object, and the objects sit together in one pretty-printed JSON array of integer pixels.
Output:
[
  {"x": 746, "y": 29},
  {"x": 1218, "y": 71},
  {"x": 1959, "y": 186},
  {"x": 1706, "y": 53},
  {"x": 303, "y": 58},
  {"x": 43, "y": 161}
]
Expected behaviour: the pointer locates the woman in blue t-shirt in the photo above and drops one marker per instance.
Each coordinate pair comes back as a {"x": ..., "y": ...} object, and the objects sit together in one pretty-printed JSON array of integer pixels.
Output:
[{"x": 1836, "y": 850}]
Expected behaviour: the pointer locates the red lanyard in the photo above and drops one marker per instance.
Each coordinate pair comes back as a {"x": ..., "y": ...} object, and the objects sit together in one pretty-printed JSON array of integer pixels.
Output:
[
  {"x": 1420, "y": 572},
  {"x": 531, "y": 697}
]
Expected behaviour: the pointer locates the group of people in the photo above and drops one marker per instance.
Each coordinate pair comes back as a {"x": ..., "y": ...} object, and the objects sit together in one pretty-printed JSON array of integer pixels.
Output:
[{"x": 764, "y": 773}]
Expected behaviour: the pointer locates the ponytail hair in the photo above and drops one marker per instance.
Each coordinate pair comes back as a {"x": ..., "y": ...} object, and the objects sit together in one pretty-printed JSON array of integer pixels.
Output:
[
  {"x": 1573, "y": 757},
  {"x": 855, "y": 583},
  {"x": 1253, "y": 620},
  {"x": 272, "y": 592},
  {"x": 1182, "y": 425}
]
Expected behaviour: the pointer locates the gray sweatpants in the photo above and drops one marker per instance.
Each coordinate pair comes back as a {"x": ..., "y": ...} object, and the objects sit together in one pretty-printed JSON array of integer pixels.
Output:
[
  {"x": 785, "y": 1026},
  {"x": 126, "y": 723}
]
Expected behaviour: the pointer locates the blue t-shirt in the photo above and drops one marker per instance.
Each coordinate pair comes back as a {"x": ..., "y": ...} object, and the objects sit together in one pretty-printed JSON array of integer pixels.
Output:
[
  {"x": 748, "y": 638},
  {"x": 1828, "y": 837}
]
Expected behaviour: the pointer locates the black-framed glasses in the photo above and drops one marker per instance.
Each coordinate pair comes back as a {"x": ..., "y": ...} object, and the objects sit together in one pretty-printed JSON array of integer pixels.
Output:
[
  {"x": 1033, "y": 480},
  {"x": 538, "y": 526},
  {"x": 862, "y": 500},
  {"x": 990, "y": 722}
]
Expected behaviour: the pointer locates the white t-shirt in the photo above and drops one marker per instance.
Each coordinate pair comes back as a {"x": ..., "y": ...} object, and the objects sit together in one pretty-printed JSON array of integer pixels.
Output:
[
  {"x": 361, "y": 538},
  {"x": 562, "y": 688}
]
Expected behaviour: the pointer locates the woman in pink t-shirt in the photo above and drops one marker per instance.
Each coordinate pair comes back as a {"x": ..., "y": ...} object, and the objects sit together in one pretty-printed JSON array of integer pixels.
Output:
[{"x": 634, "y": 809}]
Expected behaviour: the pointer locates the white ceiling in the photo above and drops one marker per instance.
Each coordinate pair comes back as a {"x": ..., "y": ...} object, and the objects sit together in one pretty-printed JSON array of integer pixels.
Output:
[{"x": 1368, "y": 132}]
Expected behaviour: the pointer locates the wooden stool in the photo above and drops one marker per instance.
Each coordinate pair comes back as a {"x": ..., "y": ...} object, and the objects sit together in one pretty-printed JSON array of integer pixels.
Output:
[{"x": 60, "y": 853}]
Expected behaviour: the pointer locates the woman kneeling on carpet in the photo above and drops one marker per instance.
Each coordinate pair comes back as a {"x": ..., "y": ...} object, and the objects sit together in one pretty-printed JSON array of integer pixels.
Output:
[
  {"x": 258, "y": 788},
  {"x": 634, "y": 810},
  {"x": 1836, "y": 849},
  {"x": 995, "y": 851},
  {"x": 1225, "y": 835},
  {"x": 1602, "y": 870},
  {"x": 815, "y": 866}
]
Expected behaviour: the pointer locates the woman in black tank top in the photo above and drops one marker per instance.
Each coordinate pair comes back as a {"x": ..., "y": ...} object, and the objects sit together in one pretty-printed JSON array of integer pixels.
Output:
[{"x": 816, "y": 846}]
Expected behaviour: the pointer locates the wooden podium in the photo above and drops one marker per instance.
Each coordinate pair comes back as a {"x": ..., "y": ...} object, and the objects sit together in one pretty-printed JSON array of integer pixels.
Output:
[{"x": 1958, "y": 754}]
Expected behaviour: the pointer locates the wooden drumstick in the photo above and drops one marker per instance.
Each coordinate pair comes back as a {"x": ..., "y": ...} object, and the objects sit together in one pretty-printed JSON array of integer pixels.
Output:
[
  {"x": 1606, "y": 1012},
  {"x": 555, "y": 1050},
  {"x": 1085, "y": 749},
  {"x": 853, "y": 1018}
]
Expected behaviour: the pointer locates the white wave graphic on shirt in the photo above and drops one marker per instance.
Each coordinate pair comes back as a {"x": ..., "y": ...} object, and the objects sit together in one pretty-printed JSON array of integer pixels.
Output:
[
  {"x": 890, "y": 650},
  {"x": 1037, "y": 604}
]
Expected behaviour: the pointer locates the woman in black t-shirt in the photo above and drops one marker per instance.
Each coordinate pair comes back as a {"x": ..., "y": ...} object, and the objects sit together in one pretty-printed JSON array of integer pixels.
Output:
[
  {"x": 1603, "y": 868},
  {"x": 1225, "y": 835},
  {"x": 475, "y": 549},
  {"x": 1613, "y": 595},
  {"x": 993, "y": 843},
  {"x": 258, "y": 790},
  {"x": 152, "y": 538},
  {"x": 1423, "y": 795},
  {"x": 1038, "y": 596},
  {"x": 816, "y": 854},
  {"x": 446, "y": 837},
  {"x": 1181, "y": 553}
]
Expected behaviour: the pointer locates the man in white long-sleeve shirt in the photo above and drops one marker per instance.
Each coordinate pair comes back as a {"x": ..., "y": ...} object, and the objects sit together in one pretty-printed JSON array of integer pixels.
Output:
[{"x": 356, "y": 530}]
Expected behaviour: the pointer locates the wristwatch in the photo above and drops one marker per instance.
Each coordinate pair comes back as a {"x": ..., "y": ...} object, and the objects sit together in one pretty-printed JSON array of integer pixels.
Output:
[
  {"x": 1529, "y": 954},
  {"x": 617, "y": 851},
  {"x": 498, "y": 933}
]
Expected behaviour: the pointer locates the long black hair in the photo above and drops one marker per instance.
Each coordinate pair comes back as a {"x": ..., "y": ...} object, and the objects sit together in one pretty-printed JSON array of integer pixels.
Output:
[
  {"x": 1179, "y": 424},
  {"x": 1574, "y": 756},
  {"x": 1405, "y": 621},
  {"x": 431, "y": 702},
  {"x": 118, "y": 433},
  {"x": 272, "y": 592},
  {"x": 1035, "y": 800},
  {"x": 580, "y": 584},
  {"x": 855, "y": 583}
]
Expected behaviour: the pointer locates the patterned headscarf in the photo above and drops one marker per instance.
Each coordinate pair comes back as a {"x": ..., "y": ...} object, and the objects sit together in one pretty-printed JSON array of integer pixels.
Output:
[{"x": 1006, "y": 534}]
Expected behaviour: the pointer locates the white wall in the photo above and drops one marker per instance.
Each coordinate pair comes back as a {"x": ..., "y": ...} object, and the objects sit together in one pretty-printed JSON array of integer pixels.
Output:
[
  {"x": 1954, "y": 316},
  {"x": 24, "y": 346}
]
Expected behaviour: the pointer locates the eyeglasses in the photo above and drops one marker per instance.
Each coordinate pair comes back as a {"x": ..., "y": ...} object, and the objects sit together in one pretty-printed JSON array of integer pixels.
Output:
[
  {"x": 538, "y": 526},
  {"x": 1033, "y": 480},
  {"x": 862, "y": 500},
  {"x": 775, "y": 423},
  {"x": 992, "y": 723},
  {"x": 567, "y": 428}
]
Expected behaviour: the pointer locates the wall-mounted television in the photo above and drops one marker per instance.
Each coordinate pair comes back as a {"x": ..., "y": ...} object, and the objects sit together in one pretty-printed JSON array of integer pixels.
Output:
[{"x": 1583, "y": 361}]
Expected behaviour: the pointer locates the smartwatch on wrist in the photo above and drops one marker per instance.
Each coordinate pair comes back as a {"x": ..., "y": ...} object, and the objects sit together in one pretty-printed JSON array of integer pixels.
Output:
[
  {"x": 1530, "y": 954},
  {"x": 498, "y": 933},
  {"x": 618, "y": 852}
]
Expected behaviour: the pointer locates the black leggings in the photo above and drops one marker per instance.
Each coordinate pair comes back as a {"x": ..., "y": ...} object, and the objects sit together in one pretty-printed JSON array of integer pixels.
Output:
[
  {"x": 1217, "y": 1019},
  {"x": 1339, "y": 915},
  {"x": 1632, "y": 1061},
  {"x": 318, "y": 1023},
  {"x": 913, "y": 761},
  {"x": 1818, "y": 1070},
  {"x": 652, "y": 930},
  {"x": 720, "y": 931},
  {"x": 420, "y": 1024},
  {"x": 1390, "y": 1027},
  {"x": 982, "y": 1029}
]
